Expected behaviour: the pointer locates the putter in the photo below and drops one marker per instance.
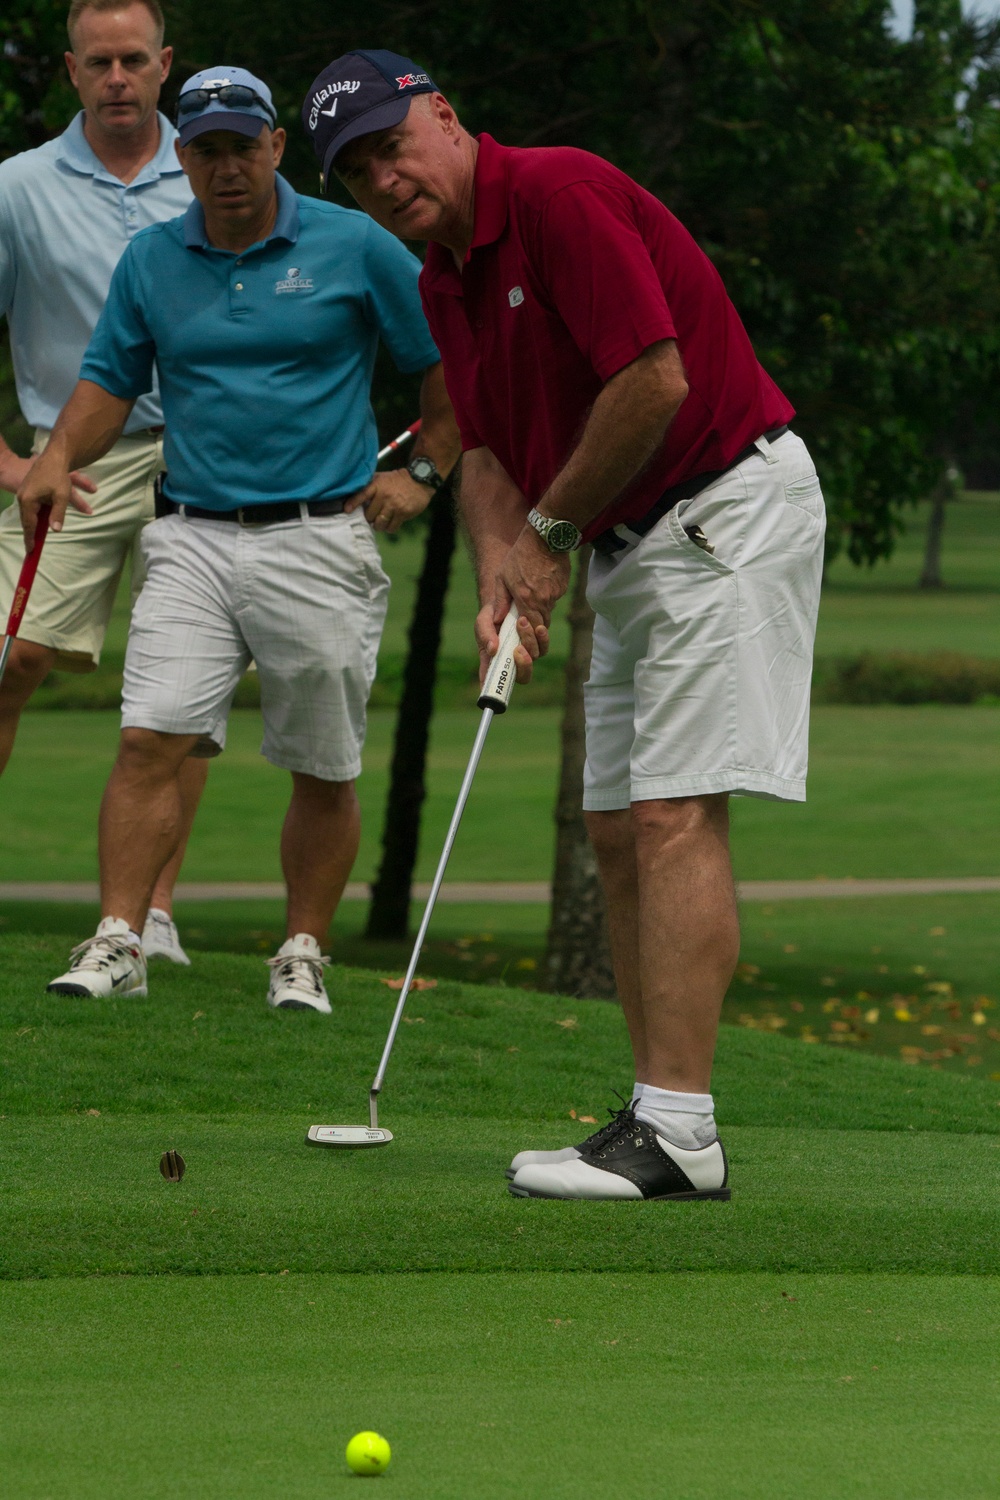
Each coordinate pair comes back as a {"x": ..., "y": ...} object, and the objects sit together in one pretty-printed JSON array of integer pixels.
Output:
[
  {"x": 28, "y": 570},
  {"x": 493, "y": 700}
]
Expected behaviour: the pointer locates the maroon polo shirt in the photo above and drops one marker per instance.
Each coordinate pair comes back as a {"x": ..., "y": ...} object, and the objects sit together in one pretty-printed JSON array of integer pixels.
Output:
[{"x": 574, "y": 270}]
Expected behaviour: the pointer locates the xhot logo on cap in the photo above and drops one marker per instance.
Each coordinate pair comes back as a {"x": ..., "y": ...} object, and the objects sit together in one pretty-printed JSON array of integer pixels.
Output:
[{"x": 359, "y": 94}]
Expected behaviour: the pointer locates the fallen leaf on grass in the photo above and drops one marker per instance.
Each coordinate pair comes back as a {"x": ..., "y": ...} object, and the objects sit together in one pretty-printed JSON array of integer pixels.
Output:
[
  {"x": 978, "y": 1018},
  {"x": 789, "y": 1297},
  {"x": 936, "y": 932},
  {"x": 871, "y": 1016},
  {"x": 199, "y": 1015},
  {"x": 93, "y": 1111},
  {"x": 568, "y": 1024},
  {"x": 790, "y": 948},
  {"x": 930, "y": 1030},
  {"x": 829, "y": 1005},
  {"x": 418, "y": 984},
  {"x": 526, "y": 963},
  {"x": 902, "y": 1014},
  {"x": 414, "y": 1020},
  {"x": 590, "y": 1120},
  {"x": 797, "y": 1006}
]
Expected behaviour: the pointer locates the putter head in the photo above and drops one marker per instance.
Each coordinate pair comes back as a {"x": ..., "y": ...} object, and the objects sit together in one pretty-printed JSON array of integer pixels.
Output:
[{"x": 350, "y": 1136}]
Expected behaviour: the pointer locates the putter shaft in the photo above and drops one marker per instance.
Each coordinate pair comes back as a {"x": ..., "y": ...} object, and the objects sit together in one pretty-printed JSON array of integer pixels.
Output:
[
  {"x": 456, "y": 818},
  {"x": 493, "y": 700}
]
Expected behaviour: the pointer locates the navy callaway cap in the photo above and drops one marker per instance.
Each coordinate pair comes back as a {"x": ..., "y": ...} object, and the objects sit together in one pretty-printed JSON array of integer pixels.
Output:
[
  {"x": 358, "y": 94},
  {"x": 224, "y": 99}
]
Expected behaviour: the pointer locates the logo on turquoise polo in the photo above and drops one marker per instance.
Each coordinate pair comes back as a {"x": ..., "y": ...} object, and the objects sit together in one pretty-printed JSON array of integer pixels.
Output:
[{"x": 294, "y": 281}]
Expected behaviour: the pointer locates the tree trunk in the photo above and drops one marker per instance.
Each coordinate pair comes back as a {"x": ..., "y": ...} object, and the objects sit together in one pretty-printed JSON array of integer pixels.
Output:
[
  {"x": 578, "y": 958},
  {"x": 931, "y": 577},
  {"x": 389, "y": 913}
]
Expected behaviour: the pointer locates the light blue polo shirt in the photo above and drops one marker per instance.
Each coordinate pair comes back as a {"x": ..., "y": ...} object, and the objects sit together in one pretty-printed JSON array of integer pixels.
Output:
[
  {"x": 64, "y": 222},
  {"x": 265, "y": 358}
]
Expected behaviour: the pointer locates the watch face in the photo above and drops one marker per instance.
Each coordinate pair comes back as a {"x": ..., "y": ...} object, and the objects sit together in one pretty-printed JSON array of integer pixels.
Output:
[
  {"x": 422, "y": 469},
  {"x": 562, "y": 536}
]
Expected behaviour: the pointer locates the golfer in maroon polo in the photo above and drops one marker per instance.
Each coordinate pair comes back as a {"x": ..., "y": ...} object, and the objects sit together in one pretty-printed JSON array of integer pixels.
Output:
[{"x": 607, "y": 392}]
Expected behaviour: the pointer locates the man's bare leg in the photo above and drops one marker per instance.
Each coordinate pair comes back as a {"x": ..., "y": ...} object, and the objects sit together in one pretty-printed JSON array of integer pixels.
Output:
[
  {"x": 141, "y": 820},
  {"x": 191, "y": 783},
  {"x": 319, "y": 844},
  {"x": 674, "y": 930},
  {"x": 28, "y": 665}
]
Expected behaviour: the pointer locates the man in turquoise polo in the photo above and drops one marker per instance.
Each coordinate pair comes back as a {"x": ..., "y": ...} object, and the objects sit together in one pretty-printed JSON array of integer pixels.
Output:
[{"x": 261, "y": 312}]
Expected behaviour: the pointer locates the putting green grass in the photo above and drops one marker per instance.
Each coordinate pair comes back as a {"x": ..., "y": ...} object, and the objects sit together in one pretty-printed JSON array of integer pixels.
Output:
[
  {"x": 892, "y": 792},
  {"x": 499, "y": 1387},
  {"x": 95, "y": 1091},
  {"x": 829, "y": 1332}
]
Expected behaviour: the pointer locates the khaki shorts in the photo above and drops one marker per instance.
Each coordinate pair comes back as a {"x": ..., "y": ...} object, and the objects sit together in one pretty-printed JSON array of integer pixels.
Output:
[
  {"x": 702, "y": 661},
  {"x": 74, "y": 589}
]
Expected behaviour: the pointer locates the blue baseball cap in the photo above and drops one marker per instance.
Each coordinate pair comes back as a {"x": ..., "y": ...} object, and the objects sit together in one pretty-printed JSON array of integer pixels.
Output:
[
  {"x": 358, "y": 94},
  {"x": 224, "y": 99}
]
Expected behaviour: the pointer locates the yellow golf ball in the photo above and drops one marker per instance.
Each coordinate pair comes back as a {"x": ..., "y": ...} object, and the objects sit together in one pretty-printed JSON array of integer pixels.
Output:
[{"x": 368, "y": 1453}]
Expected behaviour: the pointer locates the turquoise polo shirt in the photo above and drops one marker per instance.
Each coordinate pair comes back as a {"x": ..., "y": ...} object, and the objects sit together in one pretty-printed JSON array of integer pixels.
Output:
[
  {"x": 265, "y": 358},
  {"x": 64, "y": 223}
]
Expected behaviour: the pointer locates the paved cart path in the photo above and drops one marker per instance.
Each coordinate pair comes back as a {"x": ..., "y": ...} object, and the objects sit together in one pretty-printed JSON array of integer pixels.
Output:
[{"x": 530, "y": 893}]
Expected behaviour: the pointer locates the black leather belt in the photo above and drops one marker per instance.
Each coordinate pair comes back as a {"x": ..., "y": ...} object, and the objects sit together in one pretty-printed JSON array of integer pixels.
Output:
[
  {"x": 609, "y": 542},
  {"x": 256, "y": 515}
]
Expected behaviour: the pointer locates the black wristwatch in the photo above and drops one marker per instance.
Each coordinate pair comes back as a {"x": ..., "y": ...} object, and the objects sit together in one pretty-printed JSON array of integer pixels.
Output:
[{"x": 424, "y": 471}]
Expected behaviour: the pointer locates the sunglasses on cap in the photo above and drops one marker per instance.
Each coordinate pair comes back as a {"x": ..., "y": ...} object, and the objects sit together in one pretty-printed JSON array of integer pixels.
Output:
[{"x": 232, "y": 95}]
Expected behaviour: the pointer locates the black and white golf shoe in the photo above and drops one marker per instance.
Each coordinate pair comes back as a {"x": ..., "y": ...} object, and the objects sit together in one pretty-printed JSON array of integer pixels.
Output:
[
  {"x": 569, "y": 1153},
  {"x": 632, "y": 1162}
]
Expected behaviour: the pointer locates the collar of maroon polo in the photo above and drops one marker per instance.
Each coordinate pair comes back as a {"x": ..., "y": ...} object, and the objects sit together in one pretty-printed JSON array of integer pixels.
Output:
[
  {"x": 489, "y": 214},
  {"x": 490, "y": 211}
]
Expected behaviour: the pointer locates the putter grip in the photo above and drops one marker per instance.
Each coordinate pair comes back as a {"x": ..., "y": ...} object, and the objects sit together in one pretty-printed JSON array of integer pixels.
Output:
[
  {"x": 499, "y": 681},
  {"x": 28, "y": 570}
]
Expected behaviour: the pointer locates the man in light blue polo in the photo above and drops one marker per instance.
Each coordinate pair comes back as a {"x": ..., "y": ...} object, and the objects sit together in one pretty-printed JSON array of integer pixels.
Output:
[
  {"x": 67, "y": 211},
  {"x": 261, "y": 312}
]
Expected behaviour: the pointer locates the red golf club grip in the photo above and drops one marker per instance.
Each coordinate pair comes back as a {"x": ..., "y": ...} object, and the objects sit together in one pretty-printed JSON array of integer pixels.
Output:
[{"x": 28, "y": 570}]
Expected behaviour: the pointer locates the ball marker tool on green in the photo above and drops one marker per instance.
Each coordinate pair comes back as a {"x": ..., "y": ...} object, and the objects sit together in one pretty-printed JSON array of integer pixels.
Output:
[{"x": 493, "y": 700}]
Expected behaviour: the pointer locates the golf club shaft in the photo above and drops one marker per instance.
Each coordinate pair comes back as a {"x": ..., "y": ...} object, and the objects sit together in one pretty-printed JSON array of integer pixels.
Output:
[
  {"x": 397, "y": 443},
  {"x": 21, "y": 593},
  {"x": 493, "y": 699}
]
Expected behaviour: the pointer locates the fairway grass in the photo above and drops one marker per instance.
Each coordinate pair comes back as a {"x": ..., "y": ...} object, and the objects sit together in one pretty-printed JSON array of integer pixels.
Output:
[
  {"x": 502, "y": 1387},
  {"x": 894, "y": 791}
]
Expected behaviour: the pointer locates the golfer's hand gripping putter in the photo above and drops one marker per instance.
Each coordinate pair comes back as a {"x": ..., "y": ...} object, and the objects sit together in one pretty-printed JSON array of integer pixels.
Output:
[
  {"x": 493, "y": 699},
  {"x": 499, "y": 680}
]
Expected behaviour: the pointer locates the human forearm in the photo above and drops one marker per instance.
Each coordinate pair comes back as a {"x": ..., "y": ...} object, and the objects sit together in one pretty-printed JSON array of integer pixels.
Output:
[
  {"x": 438, "y": 437},
  {"x": 88, "y": 426},
  {"x": 492, "y": 509},
  {"x": 626, "y": 425}
]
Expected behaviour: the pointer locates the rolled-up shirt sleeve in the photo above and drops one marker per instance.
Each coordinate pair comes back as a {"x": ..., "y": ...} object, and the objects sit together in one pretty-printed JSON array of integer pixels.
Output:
[
  {"x": 121, "y": 354},
  {"x": 599, "y": 274}
]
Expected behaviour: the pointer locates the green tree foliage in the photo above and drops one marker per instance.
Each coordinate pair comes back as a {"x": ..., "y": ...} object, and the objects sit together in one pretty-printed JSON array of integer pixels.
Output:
[{"x": 844, "y": 182}]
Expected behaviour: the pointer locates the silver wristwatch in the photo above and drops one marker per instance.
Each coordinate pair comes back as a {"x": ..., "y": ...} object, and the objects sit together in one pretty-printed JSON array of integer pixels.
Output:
[
  {"x": 558, "y": 536},
  {"x": 424, "y": 470}
]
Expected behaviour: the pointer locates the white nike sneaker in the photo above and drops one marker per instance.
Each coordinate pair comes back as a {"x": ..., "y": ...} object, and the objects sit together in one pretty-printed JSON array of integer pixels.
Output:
[
  {"x": 297, "y": 976},
  {"x": 160, "y": 938},
  {"x": 109, "y": 963}
]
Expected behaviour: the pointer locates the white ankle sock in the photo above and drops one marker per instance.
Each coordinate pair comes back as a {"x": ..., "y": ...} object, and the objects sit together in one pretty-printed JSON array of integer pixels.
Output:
[
  {"x": 636, "y": 1095},
  {"x": 686, "y": 1120}
]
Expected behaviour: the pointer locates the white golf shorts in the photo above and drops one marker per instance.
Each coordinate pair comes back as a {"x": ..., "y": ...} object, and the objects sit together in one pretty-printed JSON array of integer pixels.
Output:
[
  {"x": 702, "y": 661},
  {"x": 305, "y": 600}
]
